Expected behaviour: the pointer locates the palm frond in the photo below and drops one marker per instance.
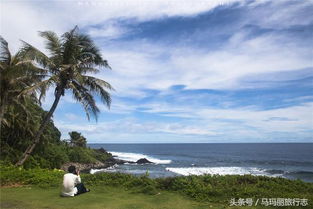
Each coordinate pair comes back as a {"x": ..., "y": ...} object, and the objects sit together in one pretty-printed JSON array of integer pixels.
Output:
[
  {"x": 30, "y": 52},
  {"x": 86, "y": 69},
  {"x": 71, "y": 47},
  {"x": 82, "y": 95},
  {"x": 98, "y": 86},
  {"x": 53, "y": 44},
  {"x": 102, "y": 83},
  {"x": 41, "y": 86},
  {"x": 90, "y": 52}
]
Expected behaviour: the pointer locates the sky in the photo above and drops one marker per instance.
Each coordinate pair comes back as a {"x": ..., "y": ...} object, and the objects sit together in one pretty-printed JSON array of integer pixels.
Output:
[{"x": 203, "y": 71}]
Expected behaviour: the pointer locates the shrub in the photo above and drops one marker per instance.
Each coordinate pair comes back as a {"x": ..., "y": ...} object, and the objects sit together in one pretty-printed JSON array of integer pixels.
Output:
[
  {"x": 100, "y": 154},
  {"x": 39, "y": 177},
  {"x": 81, "y": 155},
  {"x": 202, "y": 188}
]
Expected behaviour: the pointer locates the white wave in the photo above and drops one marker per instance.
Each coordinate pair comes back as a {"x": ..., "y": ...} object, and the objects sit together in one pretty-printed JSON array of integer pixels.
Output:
[
  {"x": 217, "y": 170},
  {"x": 133, "y": 157},
  {"x": 109, "y": 169},
  {"x": 93, "y": 171}
]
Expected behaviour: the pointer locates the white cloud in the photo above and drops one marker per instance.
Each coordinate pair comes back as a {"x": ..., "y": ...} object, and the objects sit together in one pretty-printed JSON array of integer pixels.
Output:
[
  {"x": 291, "y": 12},
  {"x": 296, "y": 118},
  {"x": 226, "y": 124},
  {"x": 129, "y": 127},
  {"x": 187, "y": 130},
  {"x": 109, "y": 30},
  {"x": 138, "y": 65},
  {"x": 72, "y": 117},
  {"x": 144, "y": 10},
  {"x": 224, "y": 68},
  {"x": 135, "y": 69},
  {"x": 23, "y": 19}
]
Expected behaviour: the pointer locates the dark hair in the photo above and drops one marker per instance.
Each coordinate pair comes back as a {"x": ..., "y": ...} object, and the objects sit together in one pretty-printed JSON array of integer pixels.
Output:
[{"x": 72, "y": 169}]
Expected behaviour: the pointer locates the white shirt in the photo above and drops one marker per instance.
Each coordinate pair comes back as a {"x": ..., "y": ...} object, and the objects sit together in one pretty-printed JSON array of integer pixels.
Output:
[{"x": 69, "y": 182}]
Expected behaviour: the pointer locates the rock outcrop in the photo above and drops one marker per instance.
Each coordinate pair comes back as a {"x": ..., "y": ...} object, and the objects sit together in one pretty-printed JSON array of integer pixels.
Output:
[
  {"x": 143, "y": 161},
  {"x": 85, "y": 167}
]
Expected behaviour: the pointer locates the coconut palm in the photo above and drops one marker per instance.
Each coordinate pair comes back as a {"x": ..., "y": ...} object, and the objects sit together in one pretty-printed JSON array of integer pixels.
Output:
[
  {"x": 17, "y": 72},
  {"x": 71, "y": 60}
]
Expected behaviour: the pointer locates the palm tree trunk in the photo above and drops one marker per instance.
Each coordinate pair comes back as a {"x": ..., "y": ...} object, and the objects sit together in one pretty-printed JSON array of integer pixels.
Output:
[
  {"x": 45, "y": 121},
  {"x": 2, "y": 108}
]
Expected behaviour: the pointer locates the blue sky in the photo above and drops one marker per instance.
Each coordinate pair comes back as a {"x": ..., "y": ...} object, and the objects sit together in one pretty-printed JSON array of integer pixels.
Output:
[{"x": 186, "y": 71}]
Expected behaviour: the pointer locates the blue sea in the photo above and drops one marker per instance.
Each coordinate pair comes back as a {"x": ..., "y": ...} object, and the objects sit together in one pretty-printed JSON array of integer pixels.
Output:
[{"x": 288, "y": 160}]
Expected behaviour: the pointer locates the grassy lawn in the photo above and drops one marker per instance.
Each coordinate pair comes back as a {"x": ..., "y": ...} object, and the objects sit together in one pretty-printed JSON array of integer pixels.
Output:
[{"x": 99, "y": 197}]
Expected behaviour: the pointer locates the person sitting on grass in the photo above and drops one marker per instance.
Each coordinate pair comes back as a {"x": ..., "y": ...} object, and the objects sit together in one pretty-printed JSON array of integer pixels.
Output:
[{"x": 72, "y": 184}]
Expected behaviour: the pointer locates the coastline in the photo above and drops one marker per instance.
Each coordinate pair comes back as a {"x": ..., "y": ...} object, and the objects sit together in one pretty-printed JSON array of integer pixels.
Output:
[{"x": 170, "y": 160}]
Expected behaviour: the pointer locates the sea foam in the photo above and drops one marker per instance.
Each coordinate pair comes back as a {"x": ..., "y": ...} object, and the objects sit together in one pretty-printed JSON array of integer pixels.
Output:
[
  {"x": 109, "y": 169},
  {"x": 133, "y": 157},
  {"x": 217, "y": 170}
]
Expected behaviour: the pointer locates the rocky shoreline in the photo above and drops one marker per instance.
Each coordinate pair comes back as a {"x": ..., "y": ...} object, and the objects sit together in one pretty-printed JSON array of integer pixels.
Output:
[{"x": 86, "y": 167}]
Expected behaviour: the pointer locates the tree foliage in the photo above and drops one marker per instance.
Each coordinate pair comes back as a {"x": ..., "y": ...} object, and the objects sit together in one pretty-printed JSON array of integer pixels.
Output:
[
  {"x": 51, "y": 152},
  {"x": 24, "y": 79},
  {"x": 17, "y": 72},
  {"x": 72, "y": 58},
  {"x": 76, "y": 139}
]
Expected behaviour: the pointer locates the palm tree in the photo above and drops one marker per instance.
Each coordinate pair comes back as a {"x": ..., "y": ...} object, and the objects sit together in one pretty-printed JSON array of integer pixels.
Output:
[
  {"x": 71, "y": 60},
  {"x": 77, "y": 139},
  {"x": 17, "y": 72}
]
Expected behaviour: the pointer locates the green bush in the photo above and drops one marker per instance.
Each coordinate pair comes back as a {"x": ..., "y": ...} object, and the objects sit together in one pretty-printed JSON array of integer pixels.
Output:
[
  {"x": 100, "y": 154},
  {"x": 40, "y": 177},
  {"x": 81, "y": 155},
  {"x": 51, "y": 152},
  {"x": 9, "y": 154},
  {"x": 31, "y": 162},
  {"x": 208, "y": 188},
  {"x": 202, "y": 188}
]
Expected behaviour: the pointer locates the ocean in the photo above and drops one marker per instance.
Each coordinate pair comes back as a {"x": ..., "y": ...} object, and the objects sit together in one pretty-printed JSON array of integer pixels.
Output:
[{"x": 288, "y": 160}]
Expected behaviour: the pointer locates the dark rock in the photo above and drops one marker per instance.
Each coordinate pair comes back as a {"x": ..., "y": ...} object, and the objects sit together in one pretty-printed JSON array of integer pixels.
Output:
[
  {"x": 111, "y": 161},
  {"x": 143, "y": 161},
  {"x": 114, "y": 161},
  {"x": 84, "y": 167}
]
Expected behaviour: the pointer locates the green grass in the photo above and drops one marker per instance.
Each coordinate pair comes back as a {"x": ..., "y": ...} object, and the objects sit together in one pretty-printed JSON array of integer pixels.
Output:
[
  {"x": 100, "y": 197},
  {"x": 104, "y": 197},
  {"x": 115, "y": 190}
]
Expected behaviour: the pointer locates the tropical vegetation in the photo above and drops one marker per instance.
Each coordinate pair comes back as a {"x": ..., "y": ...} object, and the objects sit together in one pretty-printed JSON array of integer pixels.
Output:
[
  {"x": 70, "y": 61},
  {"x": 16, "y": 73},
  {"x": 77, "y": 139},
  {"x": 25, "y": 79},
  {"x": 211, "y": 190}
]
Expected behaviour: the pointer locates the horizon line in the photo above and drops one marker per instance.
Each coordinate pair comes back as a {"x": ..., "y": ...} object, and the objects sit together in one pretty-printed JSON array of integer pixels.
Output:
[{"x": 201, "y": 143}]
